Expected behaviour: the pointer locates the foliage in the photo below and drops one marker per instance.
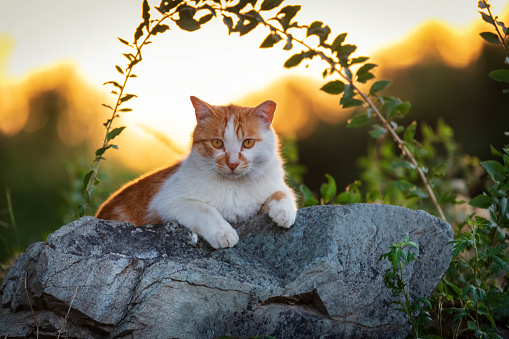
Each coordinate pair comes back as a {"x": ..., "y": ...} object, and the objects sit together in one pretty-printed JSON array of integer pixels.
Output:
[
  {"x": 417, "y": 310},
  {"x": 13, "y": 251},
  {"x": 497, "y": 38},
  {"x": 145, "y": 30}
]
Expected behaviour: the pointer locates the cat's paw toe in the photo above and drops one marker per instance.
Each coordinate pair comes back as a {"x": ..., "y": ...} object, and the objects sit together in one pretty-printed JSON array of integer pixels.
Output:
[
  {"x": 224, "y": 238},
  {"x": 282, "y": 214}
]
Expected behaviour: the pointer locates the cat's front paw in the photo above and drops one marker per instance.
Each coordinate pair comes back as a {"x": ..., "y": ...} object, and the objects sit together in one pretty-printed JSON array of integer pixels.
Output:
[
  {"x": 283, "y": 212},
  {"x": 222, "y": 236}
]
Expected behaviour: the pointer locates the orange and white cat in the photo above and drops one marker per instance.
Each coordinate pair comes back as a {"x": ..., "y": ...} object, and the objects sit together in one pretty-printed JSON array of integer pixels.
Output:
[{"x": 233, "y": 172}]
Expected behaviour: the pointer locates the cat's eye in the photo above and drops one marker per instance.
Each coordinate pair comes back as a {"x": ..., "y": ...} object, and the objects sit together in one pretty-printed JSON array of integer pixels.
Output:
[
  {"x": 248, "y": 143},
  {"x": 217, "y": 143}
]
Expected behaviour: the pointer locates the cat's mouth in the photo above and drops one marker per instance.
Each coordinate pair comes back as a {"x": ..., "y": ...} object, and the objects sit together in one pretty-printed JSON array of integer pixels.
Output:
[{"x": 233, "y": 174}]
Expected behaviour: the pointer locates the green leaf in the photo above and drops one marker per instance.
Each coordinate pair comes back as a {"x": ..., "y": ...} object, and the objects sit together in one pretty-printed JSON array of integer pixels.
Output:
[
  {"x": 99, "y": 152},
  {"x": 471, "y": 325},
  {"x": 358, "y": 60},
  {"x": 294, "y": 60},
  {"x": 348, "y": 100},
  {"x": 379, "y": 86},
  {"x": 409, "y": 188},
  {"x": 364, "y": 77},
  {"x": 119, "y": 69},
  {"x": 271, "y": 40},
  {"x": 127, "y": 97},
  {"x": 403, "y": 108},
  {"x": 139, "y": 32},
  {"x": 286, "y": 14},
  {"x": 377, "y": 131},
  {"x": 229, "y": 23},
  {"x": 248, "y": 22},
  {"x": 338, "y": 41},
  {"x": 410, "y": 132},
  {"x": 328, "y": 191},
  {"x": 114, "y": 133},
  {"x": 365, "y": 68},
  {"x": 495, "y": 152},
  {"x": 319, "y": 29},
  {"x": 146, "y": 13},
  {"x": 482, "y": 4},
  {"x": 186, "y": 19},
  {"x": 453, "y": 287},
  {"x": 357, "y": 121},
  {"x": 167, "y": 5},
  {"x": 309, "y": 199},
  {"x": 86, "y": 180},
  {"x": 160, "y": 28},
  {"x": 490, "y": 37},
  {"x": 344, "y": 51},
  {"x": 81, "y": 210},
  {"x": 487, "y": 18},
  {"x": 333, "y": 87},
  {"x": 348, "y": 103},
  {"x": 351, "y": 195},
  {"x": 241, "y": 5},
  {"x": 114, "y": 83},
  {"x": 267, "y": 5},
  {"x": 481, "y": 201},
  {"x": 501, "y": 75},
  {"x": 123, "y": 41},
  {"x": 495, "y": 170}
]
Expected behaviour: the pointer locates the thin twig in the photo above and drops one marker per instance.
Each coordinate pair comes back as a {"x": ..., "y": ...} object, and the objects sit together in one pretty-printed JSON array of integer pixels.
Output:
[
  {"x": 109, "y": 123},
  {"x": 502, "y": 40},
  {"x": 26, "y": 290},
  {"x": 406, "y": 152},
  {"x": 69, "y": 310}
]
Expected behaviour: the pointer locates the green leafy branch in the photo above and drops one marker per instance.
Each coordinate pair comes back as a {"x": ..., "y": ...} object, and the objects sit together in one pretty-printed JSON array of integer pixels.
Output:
[
  {"x": 500, "y": 37},
  {"x": 477, "y": 297},
  {"x": 394, "y": 280},
  {"x": 338, "y": 57},
  {"x": 145, "y": 30}
]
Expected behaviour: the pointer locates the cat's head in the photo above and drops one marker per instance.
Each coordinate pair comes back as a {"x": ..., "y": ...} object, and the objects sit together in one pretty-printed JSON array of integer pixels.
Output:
[{"x": 234, "y": 141}]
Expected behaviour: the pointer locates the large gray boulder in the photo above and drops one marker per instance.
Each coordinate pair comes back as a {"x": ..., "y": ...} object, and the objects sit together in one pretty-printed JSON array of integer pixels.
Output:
[{"x": 319, "y": 279}]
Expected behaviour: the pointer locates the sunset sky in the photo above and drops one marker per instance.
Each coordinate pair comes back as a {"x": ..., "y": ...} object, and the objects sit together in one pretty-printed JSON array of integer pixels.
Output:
[{"x": 207, "y": 63}]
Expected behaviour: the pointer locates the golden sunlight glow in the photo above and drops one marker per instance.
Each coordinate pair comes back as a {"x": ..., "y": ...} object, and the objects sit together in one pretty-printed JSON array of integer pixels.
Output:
[
  {"x": 207, "y": 63},
  {"x": 431, "y": 41}
]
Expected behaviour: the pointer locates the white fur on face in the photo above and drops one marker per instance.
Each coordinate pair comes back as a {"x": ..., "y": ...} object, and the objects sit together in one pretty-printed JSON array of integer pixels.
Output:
[{"x": 250, "y": 161}]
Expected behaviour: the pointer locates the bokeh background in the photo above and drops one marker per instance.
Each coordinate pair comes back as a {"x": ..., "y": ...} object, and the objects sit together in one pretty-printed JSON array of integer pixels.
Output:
[{"x": 56, "y": 54}]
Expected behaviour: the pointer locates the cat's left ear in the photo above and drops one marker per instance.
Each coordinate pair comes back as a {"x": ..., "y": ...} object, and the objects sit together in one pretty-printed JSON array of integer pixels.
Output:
[
  {"x": 201, "y": 108},
  {"x": 266, "y": 111}
]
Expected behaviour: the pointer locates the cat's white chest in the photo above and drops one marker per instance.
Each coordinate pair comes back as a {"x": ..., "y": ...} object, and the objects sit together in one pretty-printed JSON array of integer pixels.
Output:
[{"x": 237, "y": 200}]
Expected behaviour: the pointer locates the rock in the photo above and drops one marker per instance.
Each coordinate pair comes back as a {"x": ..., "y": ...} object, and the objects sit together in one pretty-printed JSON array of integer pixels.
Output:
[{"x": 319, "y": 279}]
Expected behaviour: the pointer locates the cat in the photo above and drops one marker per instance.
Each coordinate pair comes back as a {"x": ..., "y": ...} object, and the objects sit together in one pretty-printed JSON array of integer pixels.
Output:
[{"x": 232, "y": 172}]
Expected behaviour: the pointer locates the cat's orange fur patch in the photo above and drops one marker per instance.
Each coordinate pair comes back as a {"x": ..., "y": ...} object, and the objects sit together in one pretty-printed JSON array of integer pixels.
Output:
[
  {"x": 276, "y": 196},
  {"x": 131, "y": 203}
]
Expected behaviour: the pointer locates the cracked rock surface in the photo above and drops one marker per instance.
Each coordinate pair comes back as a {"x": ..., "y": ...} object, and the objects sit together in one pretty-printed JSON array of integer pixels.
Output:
[{"x": 319, "y": 279}]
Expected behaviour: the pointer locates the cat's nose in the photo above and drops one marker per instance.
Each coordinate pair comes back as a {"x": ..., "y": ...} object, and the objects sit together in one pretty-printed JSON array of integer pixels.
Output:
[{"x": 233, "y": 166}]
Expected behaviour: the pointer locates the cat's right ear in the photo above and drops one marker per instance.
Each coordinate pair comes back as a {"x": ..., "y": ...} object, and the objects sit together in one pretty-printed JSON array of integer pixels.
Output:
[{"x": 201, "y": 109}]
